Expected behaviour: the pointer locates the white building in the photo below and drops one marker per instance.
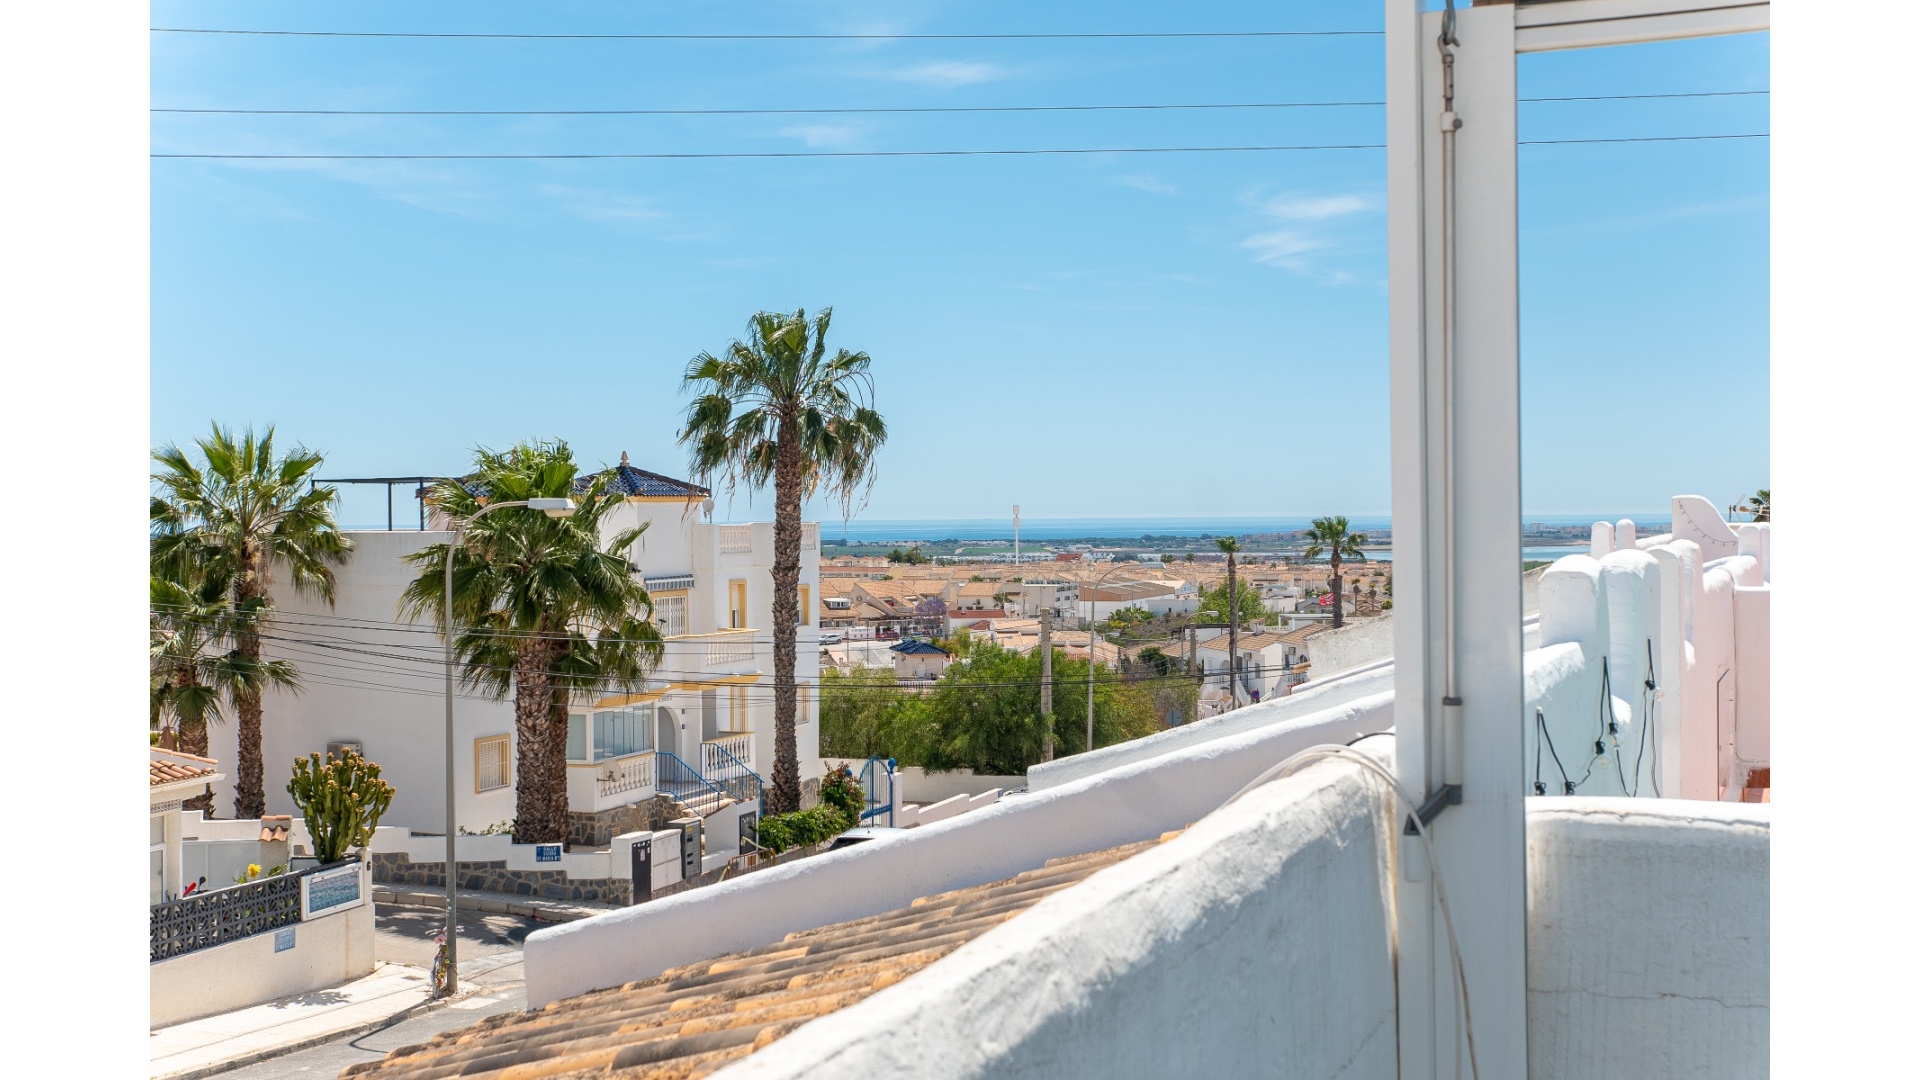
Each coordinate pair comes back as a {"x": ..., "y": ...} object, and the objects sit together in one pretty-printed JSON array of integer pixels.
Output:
[{"x": 375, "y": 680}]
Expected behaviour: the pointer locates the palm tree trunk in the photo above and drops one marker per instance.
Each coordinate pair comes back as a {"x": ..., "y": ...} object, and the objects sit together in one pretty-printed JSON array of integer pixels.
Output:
[
  {"x": 1233, "y": 636},
  {"x": 532, "y": 721},
  {"x": 784, "y": 794},
  {"x": 1334, "y": 558},
  {"x": 249, "y": 788}
]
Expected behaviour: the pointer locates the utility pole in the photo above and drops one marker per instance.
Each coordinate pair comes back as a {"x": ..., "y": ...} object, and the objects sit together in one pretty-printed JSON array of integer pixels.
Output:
[{"x": 1046, "y": 680}]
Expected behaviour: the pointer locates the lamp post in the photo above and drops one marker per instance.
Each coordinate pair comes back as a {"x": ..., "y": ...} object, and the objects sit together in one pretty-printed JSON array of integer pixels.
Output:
[
  {"x": 553, "y": 508},
  {"x": 1091, "y": 635}
]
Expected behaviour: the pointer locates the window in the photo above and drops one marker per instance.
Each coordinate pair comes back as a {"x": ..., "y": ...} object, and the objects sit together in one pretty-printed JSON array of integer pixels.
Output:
[
  {"x": 737, "y": 604},
  {"x": 806, "y": 605},
  {"x": 491, "y": 769},
  {"x": 618, "y": 732},
  {"x": 737, "y": 709},
  {"x": 805, "y": 692},
  {"x": 576, "y": 736},
  {"x": 157, "y": 860},
  {"x": 670, "y": 613}
]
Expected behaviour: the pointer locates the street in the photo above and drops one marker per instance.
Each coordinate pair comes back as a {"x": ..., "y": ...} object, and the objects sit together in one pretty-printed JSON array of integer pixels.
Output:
[{"x": 491, "y": 982}]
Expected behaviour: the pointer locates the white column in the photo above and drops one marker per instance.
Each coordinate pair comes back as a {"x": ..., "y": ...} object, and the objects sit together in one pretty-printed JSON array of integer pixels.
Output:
[{"x": 1481, "y": 842}]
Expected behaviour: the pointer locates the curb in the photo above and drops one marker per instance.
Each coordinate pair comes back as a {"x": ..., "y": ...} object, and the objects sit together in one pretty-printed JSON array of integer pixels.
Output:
[
  {"x": 538, "y": 909},
  {"x": 308, "y": 1043}
]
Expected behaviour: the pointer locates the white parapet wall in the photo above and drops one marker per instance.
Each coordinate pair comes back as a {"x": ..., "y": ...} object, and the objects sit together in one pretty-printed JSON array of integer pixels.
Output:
[
  {"x": 1122, "y": 805},
  {"x": 1647, "y": 931},
  {"x": 1302, "y": 703},
  {"x": 309, "y": 955},
  {"x": 1255, "y": 944}
]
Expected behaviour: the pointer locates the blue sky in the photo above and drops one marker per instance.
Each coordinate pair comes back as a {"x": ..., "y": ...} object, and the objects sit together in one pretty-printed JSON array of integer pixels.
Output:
[{"x": 1150, "y": 335}]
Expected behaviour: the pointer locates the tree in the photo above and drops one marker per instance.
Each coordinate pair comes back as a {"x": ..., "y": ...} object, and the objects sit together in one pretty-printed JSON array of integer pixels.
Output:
[
  {"x": 1213, "y": 604},
  {"x": 985, "y": 714},
  {"x": 775, "y": 407},
  {"x": 236, "y": 516},
  {"x": 865, "y": 714},
  {"x": 1760, "y": 505},
  {"x": 544, "y": 609},
  {"x": 1329, "y": 536},
  {"x": 1231, "y": 546}
]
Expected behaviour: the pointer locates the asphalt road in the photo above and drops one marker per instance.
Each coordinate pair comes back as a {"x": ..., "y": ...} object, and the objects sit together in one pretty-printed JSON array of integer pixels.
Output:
[{"x": 405, "y": 936}]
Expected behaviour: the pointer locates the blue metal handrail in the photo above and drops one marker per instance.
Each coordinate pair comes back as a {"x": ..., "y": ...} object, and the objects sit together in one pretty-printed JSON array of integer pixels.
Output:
[
  {"x": 740, "y": 785},
  {"x": 870, "y": 780},
  {"x": 679, "y": 779}
]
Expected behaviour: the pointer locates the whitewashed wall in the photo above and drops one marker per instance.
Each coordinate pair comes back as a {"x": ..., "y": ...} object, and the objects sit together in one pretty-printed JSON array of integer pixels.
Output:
[
  {"x": 1126, "y": 804},
  {"x": 1647, "y": 933},
  {"x": 1255, "y": 944},
  {"x": 327, "y": 952}
]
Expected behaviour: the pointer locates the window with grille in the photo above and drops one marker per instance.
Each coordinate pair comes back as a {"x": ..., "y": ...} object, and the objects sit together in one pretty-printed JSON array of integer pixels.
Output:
[
  {"x": 491, "y": 770},
  {"x": 670, "y": 614}
]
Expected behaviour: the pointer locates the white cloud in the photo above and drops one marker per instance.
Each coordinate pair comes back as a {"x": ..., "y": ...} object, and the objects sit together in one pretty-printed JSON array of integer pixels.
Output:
[
  {"x": 1283, "y": 248},
  {"x": 600, "y": 205},
  {"x": 1313, "y": 208},
  {"x": 1149, "y": 183},
  {"x": 947, "y": 74},
  {"x": 823, "y": 135}
]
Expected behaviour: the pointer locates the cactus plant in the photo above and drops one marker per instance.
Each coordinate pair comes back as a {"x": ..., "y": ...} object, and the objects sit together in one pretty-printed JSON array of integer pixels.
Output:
[{"x": 341, "y": 798}]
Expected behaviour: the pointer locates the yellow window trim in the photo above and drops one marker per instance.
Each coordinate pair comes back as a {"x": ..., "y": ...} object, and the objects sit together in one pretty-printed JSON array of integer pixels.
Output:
[
  {"x": 630, "y": 699},
  {"x": 506, "y": 759}
]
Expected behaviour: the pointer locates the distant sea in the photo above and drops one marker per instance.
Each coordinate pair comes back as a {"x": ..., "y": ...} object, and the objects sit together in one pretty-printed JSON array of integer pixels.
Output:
[{"x": 885, "y": 531}]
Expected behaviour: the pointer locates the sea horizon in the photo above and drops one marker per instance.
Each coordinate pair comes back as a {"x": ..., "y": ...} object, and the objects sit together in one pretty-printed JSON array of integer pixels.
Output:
[{"x": 907, "y": 530}]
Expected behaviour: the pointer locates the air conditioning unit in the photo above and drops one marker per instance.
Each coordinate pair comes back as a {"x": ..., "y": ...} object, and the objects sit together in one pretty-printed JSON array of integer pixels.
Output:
[{"x": 339, "y": 749}]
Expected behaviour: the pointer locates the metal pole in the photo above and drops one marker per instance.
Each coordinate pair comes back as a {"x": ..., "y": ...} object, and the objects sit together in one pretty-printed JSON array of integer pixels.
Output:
[
  {"x": 446, "y": 637},
  {"x": 1046, "y": 682}
]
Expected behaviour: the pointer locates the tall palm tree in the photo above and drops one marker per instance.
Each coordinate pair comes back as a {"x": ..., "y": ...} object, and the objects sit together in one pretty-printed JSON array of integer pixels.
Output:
[
  {"x": 1760, "y": 505},
  {"x": 1329, "y": 536},
  {"x": 776, "y": 407},
  {"x": 545, "y": 610},
  {"x": 1231, "y": 546},
  {"x": 240, "y": 514}
]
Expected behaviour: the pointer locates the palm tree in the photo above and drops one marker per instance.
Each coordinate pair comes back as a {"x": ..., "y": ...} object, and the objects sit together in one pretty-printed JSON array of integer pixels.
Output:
[
  {"x": 1760, "y": 505},
  {"x": 1231, "y": 546},
  {"x": 545, "y": 610},
  {"x": 1329, "y": 536},
  {"x": 238, "y": 515},
  {"x": 776, "y": 407},
  {"x": 193, "y": 664}
]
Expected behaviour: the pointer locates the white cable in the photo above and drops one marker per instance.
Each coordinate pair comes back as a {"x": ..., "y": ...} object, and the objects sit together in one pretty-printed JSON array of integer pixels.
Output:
[{"x": 1359, "y": 757}]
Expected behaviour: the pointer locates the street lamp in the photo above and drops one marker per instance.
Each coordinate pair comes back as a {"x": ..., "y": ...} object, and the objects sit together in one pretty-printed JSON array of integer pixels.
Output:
[
  {"x": 1090, "y": 639},
  {"x": 556, "y": 508}
]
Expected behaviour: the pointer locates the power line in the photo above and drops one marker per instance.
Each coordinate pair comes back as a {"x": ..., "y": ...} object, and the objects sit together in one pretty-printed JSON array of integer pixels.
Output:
[
  {"x": 906, "y": 153},
  {"x": 889, "y": 110},
  {"x": 778, "y": 112},
  {"x": 772, "y": 154},
  {"x": 1063, "y": 36}
]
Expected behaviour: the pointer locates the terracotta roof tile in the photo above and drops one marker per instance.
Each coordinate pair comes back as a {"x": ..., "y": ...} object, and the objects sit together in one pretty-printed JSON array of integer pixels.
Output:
[
  {"x": 173, "y": 766},
  {"x": 692, "y": 1020}
]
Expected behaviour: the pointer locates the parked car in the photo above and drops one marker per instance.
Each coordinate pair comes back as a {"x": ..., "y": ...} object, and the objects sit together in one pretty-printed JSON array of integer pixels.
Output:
[
  {"x": 865, "y": 834},
  {"x": 831, "y": 637}
]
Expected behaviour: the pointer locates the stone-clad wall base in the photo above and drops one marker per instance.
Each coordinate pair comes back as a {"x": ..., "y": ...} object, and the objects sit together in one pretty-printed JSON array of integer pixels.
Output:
[
  {"x": 393, "y": 868},
  {"x": 599, "y": 829}
]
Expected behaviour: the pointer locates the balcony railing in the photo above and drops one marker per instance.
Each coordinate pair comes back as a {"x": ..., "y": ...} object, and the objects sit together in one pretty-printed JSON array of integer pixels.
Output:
[
  {"x": 620, "y": 775},
  {"x": 809, "y": 536},
  {"x": 729, "y": 755},
  {"x": 729, "y": 647},
  {"x": 736, "y": 539}
]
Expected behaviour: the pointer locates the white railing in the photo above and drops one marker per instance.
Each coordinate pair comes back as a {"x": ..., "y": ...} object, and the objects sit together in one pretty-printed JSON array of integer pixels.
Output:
[
  {"x": 623, "y": 774},
  {"x": 809, "y": 536},
  {"x": 736, "y": 539},
  {"x": 715, "y": 762},
  {"x": 729, "y": 647}
]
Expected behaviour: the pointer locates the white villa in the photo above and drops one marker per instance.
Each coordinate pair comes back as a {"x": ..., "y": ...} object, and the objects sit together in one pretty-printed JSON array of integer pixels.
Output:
[{"x": 374, "y": 681}]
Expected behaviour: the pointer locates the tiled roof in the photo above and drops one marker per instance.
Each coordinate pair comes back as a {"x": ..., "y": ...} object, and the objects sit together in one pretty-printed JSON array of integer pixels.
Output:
[
  {"x": 1299, "y": 636},
  {"x": 694, "y": 1020},
  {"x": 916, "y": 647},
  {"x": 172, "y": 766},
  {"x": 627, "y": 480}
]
